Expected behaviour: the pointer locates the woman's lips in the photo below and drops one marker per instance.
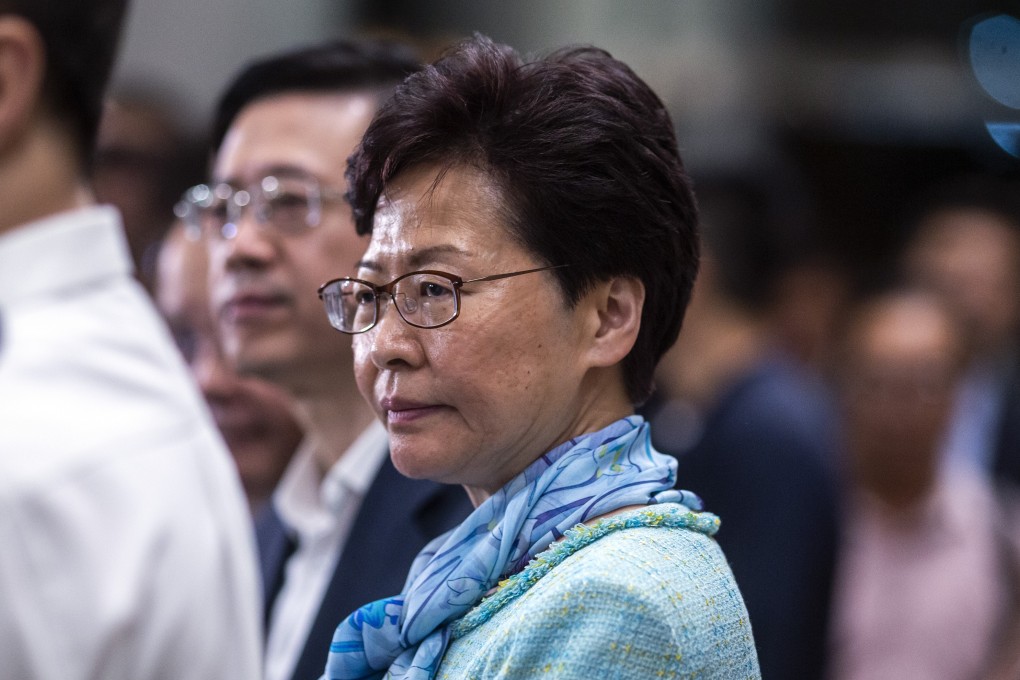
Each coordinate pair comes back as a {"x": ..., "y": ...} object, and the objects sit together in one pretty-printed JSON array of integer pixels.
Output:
[{"x": 403, "y": 412}]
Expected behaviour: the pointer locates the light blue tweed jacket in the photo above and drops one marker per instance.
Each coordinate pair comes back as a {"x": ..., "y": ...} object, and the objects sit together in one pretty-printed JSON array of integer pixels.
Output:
[{"x": 642, "y": 594}]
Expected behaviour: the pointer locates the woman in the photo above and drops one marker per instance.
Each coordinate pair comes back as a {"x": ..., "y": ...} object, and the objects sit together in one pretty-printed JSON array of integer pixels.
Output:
[{"x": 534, "y": 229}]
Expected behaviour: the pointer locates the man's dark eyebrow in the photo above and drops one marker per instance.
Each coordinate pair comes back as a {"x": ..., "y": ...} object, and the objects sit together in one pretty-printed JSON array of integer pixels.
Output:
[{"x": 278, "y": 170}]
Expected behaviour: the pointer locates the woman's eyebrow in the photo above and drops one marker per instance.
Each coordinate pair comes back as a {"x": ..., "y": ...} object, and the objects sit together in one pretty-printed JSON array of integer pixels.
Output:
[
  {"x": 433, "y": 253},
  {"x": 419, "y": 258},
  {"x": 367, "y": 264}
]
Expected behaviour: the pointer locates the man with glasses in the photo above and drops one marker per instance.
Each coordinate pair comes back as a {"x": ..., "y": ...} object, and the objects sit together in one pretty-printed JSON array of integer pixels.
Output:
[
  {"x": 253, "y": 416},
  {"x": 126, "y": 546},
  {"x": 343, "y": 525}
]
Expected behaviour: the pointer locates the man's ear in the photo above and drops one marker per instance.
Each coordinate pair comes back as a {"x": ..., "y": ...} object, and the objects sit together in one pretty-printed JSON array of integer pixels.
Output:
[
  {"x": 618, "y": 303},
  {"x": 22, "y": 67}
]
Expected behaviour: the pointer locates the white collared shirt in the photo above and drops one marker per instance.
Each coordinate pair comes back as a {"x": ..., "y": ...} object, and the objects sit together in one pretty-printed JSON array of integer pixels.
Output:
[
  {"x": 127, "y": 551},
  {"x": 321, "y": 514}
]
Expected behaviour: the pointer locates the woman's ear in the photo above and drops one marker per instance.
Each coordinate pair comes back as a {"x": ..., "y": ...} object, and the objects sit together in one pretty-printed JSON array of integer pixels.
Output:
[
  {"x": 618, "y": 303},
  {"x": 22, "y": 67}
]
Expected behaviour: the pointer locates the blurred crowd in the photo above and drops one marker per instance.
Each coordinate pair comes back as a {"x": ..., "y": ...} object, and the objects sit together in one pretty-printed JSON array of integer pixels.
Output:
[
  {"x": 856, "y": 429},
  {"x": 859, "y": 435},
  {"x": 872, "y": 417}
]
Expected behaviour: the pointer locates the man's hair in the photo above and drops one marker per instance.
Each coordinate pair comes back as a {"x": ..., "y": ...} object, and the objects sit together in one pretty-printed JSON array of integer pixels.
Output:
[
  {"x": 586, "y": 160},
  {"x": 981, "y": 191},
  {"x": 80, "y": 38},
  {"x": 335, "y": 66}
]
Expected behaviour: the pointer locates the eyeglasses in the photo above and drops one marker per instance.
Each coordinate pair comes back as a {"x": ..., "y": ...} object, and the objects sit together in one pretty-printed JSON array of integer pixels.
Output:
[
  {"x": 424, "y": 299},
  {"x": 289, "y": 203}
]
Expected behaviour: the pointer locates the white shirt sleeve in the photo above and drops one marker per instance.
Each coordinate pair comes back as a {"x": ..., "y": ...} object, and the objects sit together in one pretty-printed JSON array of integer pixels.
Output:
[{"x": 126, "y": 549}]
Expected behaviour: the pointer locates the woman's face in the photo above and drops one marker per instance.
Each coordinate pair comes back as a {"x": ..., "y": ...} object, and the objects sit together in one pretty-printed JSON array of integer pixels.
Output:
[{"x": 476, "y": 401}]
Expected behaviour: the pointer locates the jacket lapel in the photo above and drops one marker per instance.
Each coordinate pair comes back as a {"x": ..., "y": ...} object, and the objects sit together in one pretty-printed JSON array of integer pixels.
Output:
[
  {"x": 275, "y": 546},
  {"x": 396, "y": 519}
]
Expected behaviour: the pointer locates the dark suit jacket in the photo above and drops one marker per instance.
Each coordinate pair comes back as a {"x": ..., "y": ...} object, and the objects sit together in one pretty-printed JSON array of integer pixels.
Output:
[
  {"x": 1006, "y": 457},
  {"x": 397, "y": 518}
]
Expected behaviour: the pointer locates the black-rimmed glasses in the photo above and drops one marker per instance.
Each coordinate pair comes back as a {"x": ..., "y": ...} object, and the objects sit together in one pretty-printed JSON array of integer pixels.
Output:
[
  {"x": 287, "y": 202},
  {"x": 424, "y": 299}
]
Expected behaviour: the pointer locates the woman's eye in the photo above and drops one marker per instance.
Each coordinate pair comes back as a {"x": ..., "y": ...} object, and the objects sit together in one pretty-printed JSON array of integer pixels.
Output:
[
  {"x": 433, "y": 289},
  {"x": 365, "y": 297}
]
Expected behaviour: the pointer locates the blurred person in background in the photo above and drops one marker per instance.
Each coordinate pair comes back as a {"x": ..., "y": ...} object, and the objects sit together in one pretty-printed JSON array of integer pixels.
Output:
[
  {"x": 343, "y": 525},
  {"x": 145, "y": 157},
  {"x": 127, "y": 548},
  {"x": 810, "y": 295},
  {"x": 965, "y": 247},
  {"x": 752, "y": 427},
  {"x": 255, "y": 417},
  {"x": 928, "y": 579}
]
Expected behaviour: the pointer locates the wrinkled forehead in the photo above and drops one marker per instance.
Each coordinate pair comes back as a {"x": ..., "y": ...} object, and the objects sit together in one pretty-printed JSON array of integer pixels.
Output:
[
  {"x": 904, "y": 326},
  {"x": 429, "y": 206},
  {"x": 311, "y": 132},
  {"x": 961, "y": 228}
]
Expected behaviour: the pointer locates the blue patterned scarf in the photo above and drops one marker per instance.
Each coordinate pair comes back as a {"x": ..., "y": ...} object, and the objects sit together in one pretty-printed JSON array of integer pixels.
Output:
[{"x": 406, "y": 636}]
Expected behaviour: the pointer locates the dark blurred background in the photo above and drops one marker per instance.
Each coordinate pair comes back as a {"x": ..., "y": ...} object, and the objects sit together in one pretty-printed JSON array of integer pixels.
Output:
[
  {"x": 863, "y": 103},
  {"x": 818, "y": 135}
]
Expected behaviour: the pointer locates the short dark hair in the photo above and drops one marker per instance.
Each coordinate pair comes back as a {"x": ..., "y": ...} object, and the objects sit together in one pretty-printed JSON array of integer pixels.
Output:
[
  {"x": 756, "y": 222},
  {"x": 585, "y": 157},
  {"x": 972, "y": 191},
  {"x": 81, "y": 39},
  {"x": 334, "y": 66}
]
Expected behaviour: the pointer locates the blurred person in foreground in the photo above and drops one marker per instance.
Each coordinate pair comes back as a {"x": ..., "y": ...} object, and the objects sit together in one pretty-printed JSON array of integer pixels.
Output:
[
  {"x": 127, "y": 549},
  {"x": 533, "y": 247},
  {"x": 254, "y": 417},
  {"x": 343, "y": 525},
  {"x": 752, "y": 427},
  {"x": 929, "y": 578},
  {"x": 145, "y": 157},
  {"x": 966, "y": 248}
]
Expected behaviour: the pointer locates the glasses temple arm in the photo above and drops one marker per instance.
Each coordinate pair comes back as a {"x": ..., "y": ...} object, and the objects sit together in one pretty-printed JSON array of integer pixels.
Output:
[{"x": 495, "y": 277}]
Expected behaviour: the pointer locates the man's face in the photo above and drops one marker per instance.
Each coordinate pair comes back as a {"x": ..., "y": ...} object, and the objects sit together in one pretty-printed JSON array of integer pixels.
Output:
[
  {"x": 264, "y": 281},
  {"x": 136, "y": 147},
  {"x": 971, "y": 258},
  {"x": 254, "y": 416},
  {"x": 898, "y": 376}
]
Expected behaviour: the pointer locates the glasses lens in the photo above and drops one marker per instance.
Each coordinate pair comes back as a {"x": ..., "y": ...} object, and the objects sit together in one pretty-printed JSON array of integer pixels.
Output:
[
  {"x": 350, "y": 305},
  {"x": 213, "y": 217},
  {"x": 290, "y": 204},
  {"x": 204, "y": 209},
  {"x": 425, "y": 300}
]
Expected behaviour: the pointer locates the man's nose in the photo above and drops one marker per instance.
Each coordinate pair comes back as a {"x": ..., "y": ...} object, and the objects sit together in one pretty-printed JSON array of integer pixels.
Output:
[{"x": 246, "y": 240}]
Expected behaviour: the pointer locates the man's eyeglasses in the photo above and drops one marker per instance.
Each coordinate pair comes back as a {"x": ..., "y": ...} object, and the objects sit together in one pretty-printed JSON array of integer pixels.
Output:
[
  {"x": 424, "y": 299},
  {"x": 288, "y": 203}
]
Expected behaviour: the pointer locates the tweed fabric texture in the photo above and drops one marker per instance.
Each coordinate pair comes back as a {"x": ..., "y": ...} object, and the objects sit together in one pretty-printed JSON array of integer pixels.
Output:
[
  {"x": 641, "y": 600},
  {"x": 588, "y": 476}
]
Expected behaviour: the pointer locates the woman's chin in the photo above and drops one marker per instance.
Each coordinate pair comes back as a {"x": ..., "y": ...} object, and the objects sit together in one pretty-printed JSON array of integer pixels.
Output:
[{"x": 410, "y": 462}]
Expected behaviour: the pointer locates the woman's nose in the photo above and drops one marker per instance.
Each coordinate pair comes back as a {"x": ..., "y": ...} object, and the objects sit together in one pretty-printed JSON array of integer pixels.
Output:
[{"x": 393, "y": 343}]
